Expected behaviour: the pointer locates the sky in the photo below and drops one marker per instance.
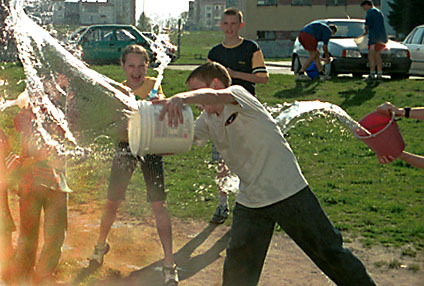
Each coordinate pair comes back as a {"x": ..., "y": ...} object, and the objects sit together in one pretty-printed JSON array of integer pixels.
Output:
[{"x": 162, "y": 8}]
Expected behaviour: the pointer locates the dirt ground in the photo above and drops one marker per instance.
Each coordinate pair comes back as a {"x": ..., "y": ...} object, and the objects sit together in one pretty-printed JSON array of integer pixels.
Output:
[{"x": 136, "y": 254}]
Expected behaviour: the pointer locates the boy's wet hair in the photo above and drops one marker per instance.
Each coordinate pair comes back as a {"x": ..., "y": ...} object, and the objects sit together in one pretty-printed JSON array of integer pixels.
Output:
[
  {"x": 233, "y": 12},
  {"x": 137, "y": 49},
  {"x": 333, "y": 28},
  {"x": 209, "y": 71},
  {"x": 367, "y": 2}
]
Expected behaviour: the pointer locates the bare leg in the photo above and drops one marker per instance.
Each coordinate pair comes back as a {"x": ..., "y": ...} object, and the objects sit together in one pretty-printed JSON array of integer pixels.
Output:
[
  {"x": 372, "y": 59},
  {"x": 313, "y": 56},
  {"x": 163, "y": 225},
  {"x": 378, "y": 62},
  {"x": 108, "y": 218},
  {"x": 222, "y": 172}
]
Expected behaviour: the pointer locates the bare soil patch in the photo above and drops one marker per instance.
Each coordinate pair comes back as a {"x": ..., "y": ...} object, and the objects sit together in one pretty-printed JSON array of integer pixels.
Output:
[{"x": 136, "y": 254}]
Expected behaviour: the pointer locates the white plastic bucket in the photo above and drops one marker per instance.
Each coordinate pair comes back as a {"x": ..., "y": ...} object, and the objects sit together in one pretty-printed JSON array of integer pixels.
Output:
[
  {"x": 148, "y": 135},
  {"x": 362, "y": 42}
]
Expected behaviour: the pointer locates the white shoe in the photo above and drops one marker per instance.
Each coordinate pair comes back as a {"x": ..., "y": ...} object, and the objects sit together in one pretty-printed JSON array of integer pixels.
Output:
[
  {"x": 302, "y": 77},
  {"x": 96, "y": 259},
  {"x": 171, "y": 275},
  {"x": 370, "y": 78}
]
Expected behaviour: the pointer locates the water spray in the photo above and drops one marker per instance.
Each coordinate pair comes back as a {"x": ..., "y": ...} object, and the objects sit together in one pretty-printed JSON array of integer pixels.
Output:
[{"x": 163, "y": 60}]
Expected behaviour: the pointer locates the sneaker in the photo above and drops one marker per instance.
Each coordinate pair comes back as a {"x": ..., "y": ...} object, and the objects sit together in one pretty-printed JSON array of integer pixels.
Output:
[
  {"x": 171, "y": 275},
  {"x": 96, "y": 259},
  {"x": 302, "y": 77},
  {"x": 370, "y": 78},
  {"x": 220, "y": 215},
  {"x": 379, "y": 77}
]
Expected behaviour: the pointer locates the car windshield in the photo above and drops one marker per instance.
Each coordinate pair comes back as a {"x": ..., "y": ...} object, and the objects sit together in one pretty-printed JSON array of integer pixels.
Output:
[{"x": 348, "y": 29}]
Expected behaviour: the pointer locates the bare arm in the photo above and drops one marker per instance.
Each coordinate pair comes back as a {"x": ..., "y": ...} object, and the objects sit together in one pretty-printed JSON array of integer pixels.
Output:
[
  {"x": 366, "y": 30},
  {"x": 326, "y": 54},
  {"x": 412, "y": 159},
  {"x": 203, "y": 96},
  {"x": 251, "y": 77},
  {"x": 388, "y": 108}
]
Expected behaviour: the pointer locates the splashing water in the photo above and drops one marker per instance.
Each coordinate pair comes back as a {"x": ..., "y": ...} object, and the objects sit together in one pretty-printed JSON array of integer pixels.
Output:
[
  {"x": 64, "y": 92},
  {"x": 228, "y": 184},
  {"x": 163, "y": 60},
  {"x": 289, "y": 114}
]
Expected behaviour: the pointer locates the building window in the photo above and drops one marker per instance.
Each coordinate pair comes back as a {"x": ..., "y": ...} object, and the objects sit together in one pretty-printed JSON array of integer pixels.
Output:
[
  {"x": 266, "y": 35},
  {"x": 267, "y": 2},
  {"x": 301, "y": 2},
  {"x": 336, "y": 2}
]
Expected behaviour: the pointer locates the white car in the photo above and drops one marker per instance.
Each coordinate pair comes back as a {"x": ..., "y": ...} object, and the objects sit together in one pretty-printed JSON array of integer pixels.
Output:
[
  {"x": 348, "y": 59},
  {"x": 415, "y": 43}
]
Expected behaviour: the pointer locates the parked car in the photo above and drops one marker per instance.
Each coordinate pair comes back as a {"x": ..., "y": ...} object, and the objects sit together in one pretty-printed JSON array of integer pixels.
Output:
[
  {"x": 163, "y": 40},
  {"x": 103, "y": 44},
  {"x": 415, "y": 43},
  {"x": 348, "y": 59}
]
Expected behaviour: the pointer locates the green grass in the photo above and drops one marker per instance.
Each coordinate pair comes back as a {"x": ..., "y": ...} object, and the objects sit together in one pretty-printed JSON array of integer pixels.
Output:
[
  {"x": 195, "y": 45},
  {"x": 378, "y": 204}
]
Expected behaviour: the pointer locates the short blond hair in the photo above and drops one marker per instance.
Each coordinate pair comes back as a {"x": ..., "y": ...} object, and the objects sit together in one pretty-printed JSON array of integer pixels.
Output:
[
  {"x": 233, "y": 12},
  {"x": 137, "y": 49}
]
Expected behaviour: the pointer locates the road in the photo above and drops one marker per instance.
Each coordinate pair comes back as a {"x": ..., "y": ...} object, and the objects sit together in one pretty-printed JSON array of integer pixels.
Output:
[
  {"x": 272, "y": 67},
  {"x": 281, "y": 67}
]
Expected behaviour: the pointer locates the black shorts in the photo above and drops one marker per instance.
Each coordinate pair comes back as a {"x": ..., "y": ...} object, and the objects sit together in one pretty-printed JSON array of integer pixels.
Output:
[{"x": 123, "y": 166}]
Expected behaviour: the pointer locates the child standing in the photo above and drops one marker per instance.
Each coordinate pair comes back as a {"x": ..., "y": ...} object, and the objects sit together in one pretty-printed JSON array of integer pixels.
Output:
[
  {"x": 245, "y": 63},
  {"x": 134, "y": 62}
]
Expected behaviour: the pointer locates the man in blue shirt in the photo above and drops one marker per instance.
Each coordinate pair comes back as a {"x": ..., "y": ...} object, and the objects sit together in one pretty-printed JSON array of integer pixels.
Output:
[
  {"x": 309, "y": 37},
  {"x": 377, "y": 37}
]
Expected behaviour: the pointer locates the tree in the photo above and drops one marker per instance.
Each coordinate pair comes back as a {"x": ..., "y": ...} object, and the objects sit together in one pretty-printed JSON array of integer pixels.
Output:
[
  {"x": 405, "y": 15},
  {"x": 144, "y": 23},
  {"x": 184, "y": 16}
]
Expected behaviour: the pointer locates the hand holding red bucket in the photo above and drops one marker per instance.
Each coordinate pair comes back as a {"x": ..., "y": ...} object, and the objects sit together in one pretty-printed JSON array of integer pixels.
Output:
[{"x": 385, "y": 138}]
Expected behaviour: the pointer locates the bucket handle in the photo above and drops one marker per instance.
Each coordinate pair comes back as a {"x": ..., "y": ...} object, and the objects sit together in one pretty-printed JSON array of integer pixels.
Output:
[{"x": 379, "y": 132}]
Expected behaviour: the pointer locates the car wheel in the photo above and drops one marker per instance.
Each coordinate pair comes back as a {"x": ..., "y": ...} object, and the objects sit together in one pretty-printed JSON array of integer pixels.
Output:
[
  {"x": 399, "y": 76},
  {"x": 296, "y": 65},
  {"x": 357, "y": 75}
]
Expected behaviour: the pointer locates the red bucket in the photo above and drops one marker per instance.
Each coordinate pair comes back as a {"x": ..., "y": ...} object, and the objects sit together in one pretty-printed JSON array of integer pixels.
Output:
[{"x": 385, "y": 138}]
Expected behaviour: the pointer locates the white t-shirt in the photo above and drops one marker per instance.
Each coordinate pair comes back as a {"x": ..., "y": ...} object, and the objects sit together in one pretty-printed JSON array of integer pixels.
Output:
[{"x": 253, "y": 147}]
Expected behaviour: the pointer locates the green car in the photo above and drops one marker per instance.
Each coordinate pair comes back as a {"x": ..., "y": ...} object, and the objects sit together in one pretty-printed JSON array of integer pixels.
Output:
[{"x": 103, "y": 44}]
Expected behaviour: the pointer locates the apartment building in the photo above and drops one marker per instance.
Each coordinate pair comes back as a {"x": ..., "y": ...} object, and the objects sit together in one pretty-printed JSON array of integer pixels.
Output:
[
  {"x": 205, "y": 14},
  {"x": 84, "y": 12}
]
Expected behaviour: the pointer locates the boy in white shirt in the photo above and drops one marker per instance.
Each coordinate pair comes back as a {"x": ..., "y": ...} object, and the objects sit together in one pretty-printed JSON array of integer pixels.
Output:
[{"x": 272, "y": 187}]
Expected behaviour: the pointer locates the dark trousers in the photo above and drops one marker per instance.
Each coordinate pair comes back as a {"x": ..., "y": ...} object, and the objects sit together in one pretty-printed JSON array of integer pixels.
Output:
[{"x": 303, "y": 219}]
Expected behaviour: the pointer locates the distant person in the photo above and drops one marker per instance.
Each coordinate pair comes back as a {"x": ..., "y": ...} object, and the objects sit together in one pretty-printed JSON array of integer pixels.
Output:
[
  {"x": 309, "y": 37},
  {"x": 377, "y": 38},
  {"x": 272, "y": 187},
  {"x": 42, "y": 187},
  {"x": 416, "y": 113},
  {"x": 134, "y": 63},
  {"x": 245, "y": 63}
]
